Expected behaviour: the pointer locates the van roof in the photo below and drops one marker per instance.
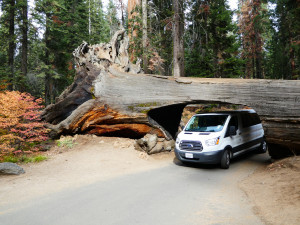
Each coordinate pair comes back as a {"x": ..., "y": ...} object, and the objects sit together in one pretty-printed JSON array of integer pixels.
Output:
[{"x": 228, "y": 112}]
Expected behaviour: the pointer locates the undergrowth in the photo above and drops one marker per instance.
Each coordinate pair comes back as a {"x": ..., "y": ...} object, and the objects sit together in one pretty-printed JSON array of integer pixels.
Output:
[
  {"x": 24, "y": 158},
  {"x": 21, "y": 130},
  {"x": 68, "y": 142}
]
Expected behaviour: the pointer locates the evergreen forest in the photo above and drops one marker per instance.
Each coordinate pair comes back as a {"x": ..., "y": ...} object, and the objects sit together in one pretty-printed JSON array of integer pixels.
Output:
[{"x": 259, "y": 40}]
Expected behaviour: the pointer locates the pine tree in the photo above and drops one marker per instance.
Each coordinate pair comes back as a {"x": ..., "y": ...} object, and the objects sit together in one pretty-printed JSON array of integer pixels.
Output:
[
  {"x": 112, "y": 18},
  {"x": 160, "y": 36},
  {"x": 11, "y": 38},
  {"x": 251, "y": 29},
  {"x": 212, "y": 47},
  {"x": 4, "y": 40},
  {"x": 145, "y": 35},
  {"x": 99, "y": 27},
  {"x": 178, "y": 43},
  {"x": 24, "y": 27},
  {"x": 284, "y": 48},
  {"x": 66, "y": 26}
]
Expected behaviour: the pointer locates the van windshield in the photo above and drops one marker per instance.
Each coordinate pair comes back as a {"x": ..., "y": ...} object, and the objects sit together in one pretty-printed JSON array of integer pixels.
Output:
[{"x": 206, "y": 123}]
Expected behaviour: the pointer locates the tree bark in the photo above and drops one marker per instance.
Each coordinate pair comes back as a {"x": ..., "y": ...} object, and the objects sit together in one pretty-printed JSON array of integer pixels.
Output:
[
  {"x": 132, "y": 32},
  {"x": 48, "y": 80},
  {"x": 178, "y": 44},
  {"x": 122, "y": 12},
  {"x": 257, "y": 40},
  {"x": 145, "y": 38},
  {"x": 107, "y": 100},
  {"x": 24, "y": 37},
  {"x": 11, "y": 45}
]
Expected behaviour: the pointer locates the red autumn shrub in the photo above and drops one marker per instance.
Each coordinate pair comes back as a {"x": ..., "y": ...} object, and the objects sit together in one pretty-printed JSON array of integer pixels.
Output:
[{"x": 21, "y": 129}]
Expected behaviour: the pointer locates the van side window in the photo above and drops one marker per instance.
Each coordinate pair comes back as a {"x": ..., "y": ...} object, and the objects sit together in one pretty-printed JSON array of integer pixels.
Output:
[
  {"x": 233, "y": 122},
  {"x": 250, "y": 119}
]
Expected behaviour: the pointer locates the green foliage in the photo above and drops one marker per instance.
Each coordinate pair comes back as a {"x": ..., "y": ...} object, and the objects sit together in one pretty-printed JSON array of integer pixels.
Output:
[
  {"x": 68, "y": 142},
  {"x": 148, "y": 106},
  {"x": 136, "y": 34},
  {"x": 211, "y": 43},
  {"x": 10, "y": 158},
  {"x": 34, "y": 159},
  {"x": 283, "y": 59},
  {"x": 56, "y": 28},
  {"x": 212, "y": 46},
  {"x": 251, "y": 27},
  {"x": 111, "y": 18},
  {"x": 160, "y": 53},
  {"x": 99, "y": 26},
  {"x": 24, "y": 159}
]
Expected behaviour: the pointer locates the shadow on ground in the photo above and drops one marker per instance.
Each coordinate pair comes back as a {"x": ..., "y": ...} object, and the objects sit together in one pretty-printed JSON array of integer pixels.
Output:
[{"x": 253, "y": 156}]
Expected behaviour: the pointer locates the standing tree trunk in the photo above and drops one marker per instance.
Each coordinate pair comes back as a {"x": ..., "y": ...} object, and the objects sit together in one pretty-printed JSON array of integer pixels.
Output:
[
  {"x": 178, "y": 45},
  {"x": 122, "y": 12},
  {"x": 257, "y": 38},
  {"x": 11, "y": 46},
  {"x": 47, "y": 62},
  {"x": 24, "y": 37},
  {"x": 132, "y": 32},
  {"x": 90, "y": 24},
  {"x": 145, "y": 58},
  {"x": 132, "y": 4}
]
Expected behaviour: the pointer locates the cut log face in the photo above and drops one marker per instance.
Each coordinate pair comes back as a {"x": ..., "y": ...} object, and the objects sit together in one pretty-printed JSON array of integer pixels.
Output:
[{"x": 106, "y": 99}]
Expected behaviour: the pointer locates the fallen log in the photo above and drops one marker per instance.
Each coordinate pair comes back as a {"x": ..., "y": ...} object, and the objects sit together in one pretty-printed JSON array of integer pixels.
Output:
[{"x": 108, "y": 97}]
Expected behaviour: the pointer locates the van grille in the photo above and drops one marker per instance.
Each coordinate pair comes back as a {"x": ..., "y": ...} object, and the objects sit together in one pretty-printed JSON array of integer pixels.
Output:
[{"x": 191, "y": 145}]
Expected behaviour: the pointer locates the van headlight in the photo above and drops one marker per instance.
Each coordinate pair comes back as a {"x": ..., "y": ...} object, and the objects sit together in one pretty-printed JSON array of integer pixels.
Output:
[
  {"x": 213, "y": 141},
  {"x": 177, "y": 141}
]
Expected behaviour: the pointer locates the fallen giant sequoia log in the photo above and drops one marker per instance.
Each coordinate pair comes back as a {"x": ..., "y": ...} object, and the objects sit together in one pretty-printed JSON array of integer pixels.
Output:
[{"x": 108, "y": 97}]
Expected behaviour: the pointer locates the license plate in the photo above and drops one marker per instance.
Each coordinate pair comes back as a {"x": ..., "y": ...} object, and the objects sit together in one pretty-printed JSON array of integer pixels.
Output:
[{"x": 189, "y": 155}]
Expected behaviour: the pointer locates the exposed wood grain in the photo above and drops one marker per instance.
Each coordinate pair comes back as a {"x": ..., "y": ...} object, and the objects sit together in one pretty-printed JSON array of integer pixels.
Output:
[{"x": 107, "y": 100}]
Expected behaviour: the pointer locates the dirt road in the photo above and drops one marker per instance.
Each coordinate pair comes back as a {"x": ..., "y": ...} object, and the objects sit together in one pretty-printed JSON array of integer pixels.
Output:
[{"x": 105, "y": 181}]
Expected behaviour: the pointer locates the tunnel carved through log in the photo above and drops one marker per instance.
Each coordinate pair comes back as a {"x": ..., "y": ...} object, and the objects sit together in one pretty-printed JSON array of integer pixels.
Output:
[{"x": 109, "y": 98}]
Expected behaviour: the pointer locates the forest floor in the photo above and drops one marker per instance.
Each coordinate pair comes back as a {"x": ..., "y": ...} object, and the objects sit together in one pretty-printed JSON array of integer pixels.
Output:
[{"x": 274, "y": 189}]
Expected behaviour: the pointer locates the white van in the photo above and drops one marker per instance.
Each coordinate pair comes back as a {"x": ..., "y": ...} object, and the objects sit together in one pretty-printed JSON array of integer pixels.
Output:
[{"x": 215, "y": 138}]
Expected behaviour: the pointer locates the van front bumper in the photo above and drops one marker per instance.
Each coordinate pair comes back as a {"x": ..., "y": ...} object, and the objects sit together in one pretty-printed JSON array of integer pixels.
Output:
[{"x": 211, "y": 157}]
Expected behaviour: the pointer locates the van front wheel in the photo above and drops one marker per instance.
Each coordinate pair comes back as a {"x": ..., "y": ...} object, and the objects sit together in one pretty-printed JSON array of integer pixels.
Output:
[
  {"x": 225, "y": 160},
  {"x": 263, "y": 148}
]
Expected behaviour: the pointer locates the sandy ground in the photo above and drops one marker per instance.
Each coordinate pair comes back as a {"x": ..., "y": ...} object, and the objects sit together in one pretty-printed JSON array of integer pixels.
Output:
[
  {"x": 274, "y": 189},
  {"x": 103, "y": 158}
]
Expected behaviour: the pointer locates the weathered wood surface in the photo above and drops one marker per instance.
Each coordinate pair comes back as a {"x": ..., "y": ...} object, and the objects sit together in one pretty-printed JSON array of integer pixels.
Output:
[{"x": 106, "y": 99}]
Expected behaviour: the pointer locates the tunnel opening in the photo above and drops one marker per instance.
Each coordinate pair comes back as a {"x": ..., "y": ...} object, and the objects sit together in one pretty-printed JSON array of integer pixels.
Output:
[
  {"x": 172, "y": 117},
  {"x": 167, "y": 118},
  {"x": 192, "y": 109}
]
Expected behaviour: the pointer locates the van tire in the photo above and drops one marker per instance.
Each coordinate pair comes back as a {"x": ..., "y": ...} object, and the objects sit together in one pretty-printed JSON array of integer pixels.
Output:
[
  {"x": 225, "y": 160},
  {"x": 263, "y": 148}
]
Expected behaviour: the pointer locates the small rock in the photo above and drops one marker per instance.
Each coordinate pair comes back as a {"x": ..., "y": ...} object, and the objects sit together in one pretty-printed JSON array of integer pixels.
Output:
[
  {"x": 137, "y": 146},
  {"x": 152, "y": 141},
  {"x": 147, "y": 142},
  {"x": 11, "y": 168},
  {"x": 143, "y": 155},
  {"x": 159, "y": 147},
  {"x": 169, "y": 145},
  {"x": 126, "y": 145},
  {"x": 161, "y": 139}
]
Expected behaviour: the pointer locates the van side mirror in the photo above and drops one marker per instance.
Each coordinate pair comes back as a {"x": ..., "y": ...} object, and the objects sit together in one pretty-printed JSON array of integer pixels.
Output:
[{"x": 232, "y": 131}]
